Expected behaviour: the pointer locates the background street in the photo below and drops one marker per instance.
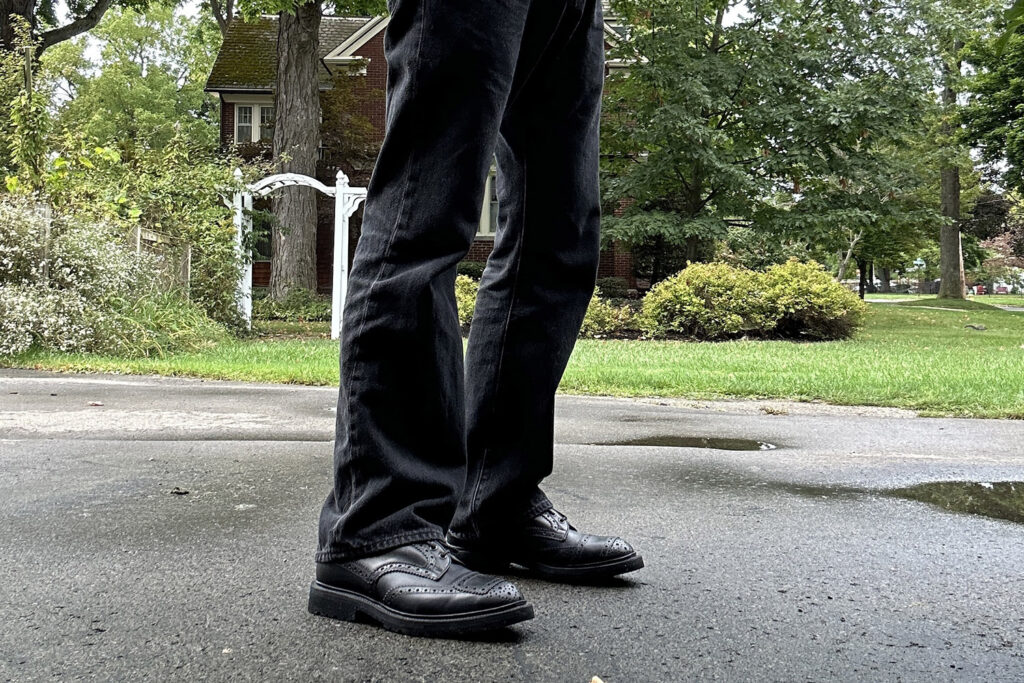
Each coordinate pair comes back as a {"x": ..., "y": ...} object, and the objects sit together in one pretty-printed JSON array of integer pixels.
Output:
[{"x": 164, "y": 529}]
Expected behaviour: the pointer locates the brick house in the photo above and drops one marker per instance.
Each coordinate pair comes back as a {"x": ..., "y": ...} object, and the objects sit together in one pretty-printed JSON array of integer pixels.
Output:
[{"x": 243, "y": 78}]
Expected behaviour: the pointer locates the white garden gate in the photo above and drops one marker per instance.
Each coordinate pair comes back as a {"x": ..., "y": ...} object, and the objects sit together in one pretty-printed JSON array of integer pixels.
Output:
[{"x": 346, "y": 200}]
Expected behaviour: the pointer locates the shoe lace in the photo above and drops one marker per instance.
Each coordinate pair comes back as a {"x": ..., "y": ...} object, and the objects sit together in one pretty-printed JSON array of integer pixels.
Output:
[
  {"x": 437, "y": 547},
  {"x": 557, "y": 517}
]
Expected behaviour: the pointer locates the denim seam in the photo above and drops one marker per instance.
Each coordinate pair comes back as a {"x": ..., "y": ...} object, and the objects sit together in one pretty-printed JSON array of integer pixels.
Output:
[
  {"x": 385, "y": 544},
  {"x": 353, "y": 443},
  {"x": 521, "y": 239}
]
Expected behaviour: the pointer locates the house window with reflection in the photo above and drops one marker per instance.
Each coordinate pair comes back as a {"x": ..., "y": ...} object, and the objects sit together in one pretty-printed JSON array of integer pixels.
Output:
[
  {"x": 266, "y": 124},
  {"x": 254, "y": 123},
  {"x": 243, "y": 123}
]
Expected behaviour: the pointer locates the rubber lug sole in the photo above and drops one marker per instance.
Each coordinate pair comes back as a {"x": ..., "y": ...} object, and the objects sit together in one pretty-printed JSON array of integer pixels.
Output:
[{"x": 338, "y": 603}]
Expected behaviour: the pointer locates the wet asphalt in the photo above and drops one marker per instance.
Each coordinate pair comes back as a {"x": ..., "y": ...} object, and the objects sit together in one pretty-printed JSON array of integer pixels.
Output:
[{"x": 162, "y": 529}]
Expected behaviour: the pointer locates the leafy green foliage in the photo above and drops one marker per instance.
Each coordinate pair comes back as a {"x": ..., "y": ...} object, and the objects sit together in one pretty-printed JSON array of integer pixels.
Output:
[
  {"x": 29, "y": 123},
  {"x": 787, "y": 119},
  {"x": 473, "y": 269},
  {"x": 604, "y": 318},
  {"x": 809, "y": 303},
  {"x": 147, "y": 86},
  {"x": 706, "y": 301},
  {"x": 717, "y": 301},
  {"x": 465, "y": 297},
  {"x": 71, "y": 285},
  {"x": 357, "y": 8},
  {"x": 613, "y": 287},
  {"x": 300, "y": 305},
  {"x": 992, "y": 118}
]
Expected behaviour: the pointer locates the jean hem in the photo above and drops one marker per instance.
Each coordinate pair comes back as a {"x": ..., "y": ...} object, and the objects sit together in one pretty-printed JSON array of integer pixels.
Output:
[
  {"x": 538, "y": 508},
  {"x": 383, "y": 545}
]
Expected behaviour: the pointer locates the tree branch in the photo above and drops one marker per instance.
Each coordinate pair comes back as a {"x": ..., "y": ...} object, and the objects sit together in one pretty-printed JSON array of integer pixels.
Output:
[
  {"x": 80, "y": 25},
  {"x": 223, "y": 13}
]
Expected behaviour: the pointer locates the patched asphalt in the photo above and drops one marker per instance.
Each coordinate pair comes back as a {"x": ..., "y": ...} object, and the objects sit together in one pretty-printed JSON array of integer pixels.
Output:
[{"x": 163, "y": 529}]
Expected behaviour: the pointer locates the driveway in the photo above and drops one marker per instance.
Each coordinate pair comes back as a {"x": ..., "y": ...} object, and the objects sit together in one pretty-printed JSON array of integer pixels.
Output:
[{"x": 164, "y": 529}]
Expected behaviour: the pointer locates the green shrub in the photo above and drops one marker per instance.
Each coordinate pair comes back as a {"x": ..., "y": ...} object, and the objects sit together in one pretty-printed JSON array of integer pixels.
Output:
[
  {"x": 613, "y": 287},
  {"x": 465, "y": 296},
  {"x": 82, "y": 289},
  {"x": 604, "y": 318},
  {"x": 474, "y": 269},
  {"x": 717, "y": 301},
  {"x": 157, "y": 323},
  {"x": 49, "y": 318},
  {"x": 706, "y": 301},
  {"x": 177, "y": 191},
  {"x": 300, "y": 305},
  {"x": 809, "y": 303}
]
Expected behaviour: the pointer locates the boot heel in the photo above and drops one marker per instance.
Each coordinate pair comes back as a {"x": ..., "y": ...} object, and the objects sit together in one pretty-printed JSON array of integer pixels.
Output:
[{"x": 327, "y": 603}]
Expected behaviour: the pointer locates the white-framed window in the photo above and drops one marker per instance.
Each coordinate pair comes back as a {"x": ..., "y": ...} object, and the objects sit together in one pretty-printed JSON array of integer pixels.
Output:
[
  {"x": 243, "y": 123},
  {"x": 266, "y": 124},
  {"x": 254, "y": 123}
]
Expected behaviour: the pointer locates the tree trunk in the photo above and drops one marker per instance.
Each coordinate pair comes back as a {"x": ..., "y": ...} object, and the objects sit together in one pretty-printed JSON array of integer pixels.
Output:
[
  {"x": 692, "y": 242},
  {"x": 657, "y": 258},
  {"x": 862, "y": 288},
  {"x": 844, "y": 260},
  {"x": 886, "y": 280},
  {"x": 22, "y": 8},
  {"x": 296, "y": 137},
  {"x": 951, "y": 253}
]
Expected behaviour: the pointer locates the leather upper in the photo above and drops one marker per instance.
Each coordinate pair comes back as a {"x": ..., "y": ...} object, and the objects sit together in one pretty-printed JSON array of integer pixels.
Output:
[
  {"x": 549, "y": 538},
  {"x": 419, "y": 578}
]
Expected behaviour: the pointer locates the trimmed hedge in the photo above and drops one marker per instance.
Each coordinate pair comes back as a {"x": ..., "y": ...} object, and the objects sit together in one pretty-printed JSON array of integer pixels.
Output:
[
  {"x": 474, "y": 269},
  {"x": 809, "y": 303},
  {"x": 603, "y": 318},
  {"x": 613, "y": 287},
  {"x": 714, "y": 301}
]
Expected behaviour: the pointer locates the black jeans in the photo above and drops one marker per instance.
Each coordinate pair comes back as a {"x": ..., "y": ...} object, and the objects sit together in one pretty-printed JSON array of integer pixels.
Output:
[{"x": 423, "y": 442}]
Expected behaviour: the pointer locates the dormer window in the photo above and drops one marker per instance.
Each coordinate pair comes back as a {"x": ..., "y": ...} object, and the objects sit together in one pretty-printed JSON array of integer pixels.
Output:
[{"x": 254, "y": 123}]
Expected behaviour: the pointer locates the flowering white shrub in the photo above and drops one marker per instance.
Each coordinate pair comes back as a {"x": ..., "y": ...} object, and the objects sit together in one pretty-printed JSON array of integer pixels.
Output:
[
  {"x": 55, "y": 319},
  {"x": 83, "y": 289},
  {"x": 22, "y": 232}
]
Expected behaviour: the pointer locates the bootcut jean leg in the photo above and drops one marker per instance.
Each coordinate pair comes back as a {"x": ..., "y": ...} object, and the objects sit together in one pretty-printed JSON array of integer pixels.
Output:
[
  {"x": 400, "y": 449},
  {"x": 538, "y": 280}
]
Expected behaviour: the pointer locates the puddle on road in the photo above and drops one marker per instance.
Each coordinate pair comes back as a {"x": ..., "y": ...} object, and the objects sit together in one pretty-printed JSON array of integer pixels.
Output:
[
  {"x": 718, "y": 443},
  {"x": 998, "y": 499}
]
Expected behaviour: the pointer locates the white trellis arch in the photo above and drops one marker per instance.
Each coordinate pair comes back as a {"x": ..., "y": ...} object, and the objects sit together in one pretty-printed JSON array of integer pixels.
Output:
[{"x": 346, "y": 200}]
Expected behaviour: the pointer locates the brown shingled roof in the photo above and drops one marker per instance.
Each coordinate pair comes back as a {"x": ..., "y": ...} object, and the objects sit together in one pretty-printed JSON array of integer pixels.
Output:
[{"x": 247, "y": 60}]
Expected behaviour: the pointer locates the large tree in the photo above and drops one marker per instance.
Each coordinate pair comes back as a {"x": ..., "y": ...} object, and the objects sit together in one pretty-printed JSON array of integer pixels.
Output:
[
  {"x": 951, "y": 25},
  {"x": 147, "y": 85},
  {"x": 993, "y": 120},
  {"x": 46, "y": 22},
  {"x": 775, "y": 113},
  {"x": 297, "y": 132}
]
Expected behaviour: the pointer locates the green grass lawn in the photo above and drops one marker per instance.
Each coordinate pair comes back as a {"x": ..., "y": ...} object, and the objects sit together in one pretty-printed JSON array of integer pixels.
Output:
[
  {"x": 906, "y": 356},
  {"x": 995, "y": 299}
]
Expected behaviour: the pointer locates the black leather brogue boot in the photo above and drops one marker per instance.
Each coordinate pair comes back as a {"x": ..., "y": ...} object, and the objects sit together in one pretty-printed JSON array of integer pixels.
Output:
[
  {"x": 549, "y": 547},
  {"x": 418, "y": 590}
]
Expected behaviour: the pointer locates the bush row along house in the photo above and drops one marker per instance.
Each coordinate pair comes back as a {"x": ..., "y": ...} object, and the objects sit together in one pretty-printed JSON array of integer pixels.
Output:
[{"x": 243, "y": 77}]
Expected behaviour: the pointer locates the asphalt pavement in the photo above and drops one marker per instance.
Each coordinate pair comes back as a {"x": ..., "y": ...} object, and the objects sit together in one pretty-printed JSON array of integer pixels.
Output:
[{"x": 164, "y": 529}]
